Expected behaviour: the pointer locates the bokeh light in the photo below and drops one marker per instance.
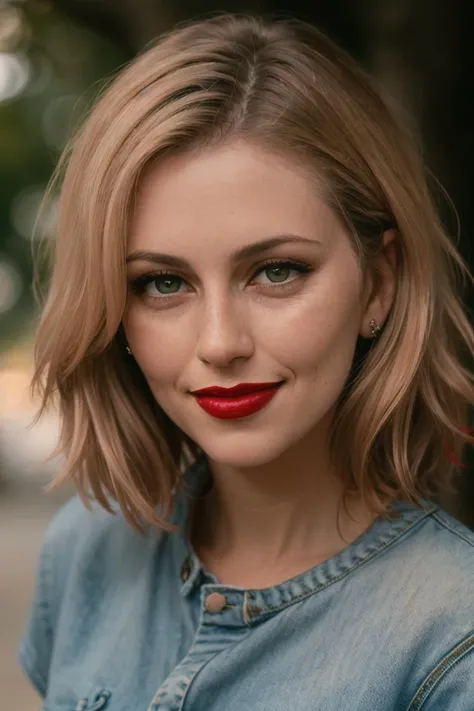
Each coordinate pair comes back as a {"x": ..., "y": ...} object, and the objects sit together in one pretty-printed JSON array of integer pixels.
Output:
[
  {"x": 12, "y": 27},
  {"x": 14, "y": 75}
]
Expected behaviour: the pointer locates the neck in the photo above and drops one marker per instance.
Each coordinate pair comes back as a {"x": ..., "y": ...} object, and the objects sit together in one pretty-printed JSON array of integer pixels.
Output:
[{"x": 270, "y": 522}]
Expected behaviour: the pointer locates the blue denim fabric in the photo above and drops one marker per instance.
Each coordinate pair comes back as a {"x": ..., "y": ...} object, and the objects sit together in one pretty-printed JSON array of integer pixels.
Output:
[{"x": 119, "y": 622}]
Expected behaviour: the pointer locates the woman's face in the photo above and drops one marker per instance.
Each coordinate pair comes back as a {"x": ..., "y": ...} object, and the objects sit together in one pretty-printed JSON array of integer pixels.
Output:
[{"x": 240, "y": 273}]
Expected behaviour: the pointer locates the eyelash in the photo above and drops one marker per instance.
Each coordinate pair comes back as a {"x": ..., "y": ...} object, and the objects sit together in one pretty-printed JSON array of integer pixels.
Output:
[{"x": 140, "y": 283}]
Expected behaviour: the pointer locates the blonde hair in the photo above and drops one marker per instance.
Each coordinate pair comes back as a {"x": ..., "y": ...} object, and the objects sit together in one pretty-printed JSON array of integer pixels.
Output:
[{"x": 281, "y": 83}]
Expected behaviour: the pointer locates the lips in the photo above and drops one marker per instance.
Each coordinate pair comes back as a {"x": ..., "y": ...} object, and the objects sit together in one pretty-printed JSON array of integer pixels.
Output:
[
  {"x": 236, "y": 390},
  {"x": 238, "y": 401}
]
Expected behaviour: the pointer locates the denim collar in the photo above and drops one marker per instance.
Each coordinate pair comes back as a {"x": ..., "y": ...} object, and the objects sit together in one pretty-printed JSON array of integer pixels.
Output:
[{"x": 384, "y": 532}]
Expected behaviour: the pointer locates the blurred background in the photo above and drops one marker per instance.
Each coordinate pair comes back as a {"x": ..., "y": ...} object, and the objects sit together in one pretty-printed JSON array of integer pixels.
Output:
[{"x": 54, "y": 59}]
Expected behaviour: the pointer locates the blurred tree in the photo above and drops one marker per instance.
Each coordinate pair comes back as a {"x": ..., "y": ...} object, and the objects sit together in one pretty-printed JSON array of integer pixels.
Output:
[{"x": 50, "y": 69}]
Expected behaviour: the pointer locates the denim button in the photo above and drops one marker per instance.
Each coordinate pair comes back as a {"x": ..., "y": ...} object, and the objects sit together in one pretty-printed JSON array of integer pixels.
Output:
[{"x": 215, "y": 602}]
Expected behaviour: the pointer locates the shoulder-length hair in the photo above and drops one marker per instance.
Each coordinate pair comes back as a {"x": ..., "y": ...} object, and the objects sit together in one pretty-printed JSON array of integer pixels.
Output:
[{"x": 400, "y": 421}]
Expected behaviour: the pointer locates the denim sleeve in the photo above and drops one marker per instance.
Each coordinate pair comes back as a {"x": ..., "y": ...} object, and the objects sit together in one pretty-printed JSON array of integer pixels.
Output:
[
  {"x": 34, "y": 653},
  {"x": 450, "y": 686}
]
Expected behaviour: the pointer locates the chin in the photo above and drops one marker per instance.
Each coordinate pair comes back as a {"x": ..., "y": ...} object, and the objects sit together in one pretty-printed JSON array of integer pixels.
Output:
[
  {"x": 237, "y": 460},
  {"x": 243, "y": 450}
]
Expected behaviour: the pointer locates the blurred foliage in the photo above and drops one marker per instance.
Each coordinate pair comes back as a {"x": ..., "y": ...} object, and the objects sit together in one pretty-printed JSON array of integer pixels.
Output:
[{"x": 50, "y": 71}]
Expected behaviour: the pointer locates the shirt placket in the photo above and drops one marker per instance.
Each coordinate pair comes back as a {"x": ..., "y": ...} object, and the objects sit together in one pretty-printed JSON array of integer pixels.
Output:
[{"x": 224, "y": 620}]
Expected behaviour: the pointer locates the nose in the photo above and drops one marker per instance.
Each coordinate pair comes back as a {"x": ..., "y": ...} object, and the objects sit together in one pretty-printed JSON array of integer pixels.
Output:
[{"x": 224, "y": 335}]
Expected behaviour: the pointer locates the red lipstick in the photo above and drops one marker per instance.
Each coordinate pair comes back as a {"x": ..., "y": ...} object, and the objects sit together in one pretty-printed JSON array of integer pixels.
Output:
[{"x": 239, "y": 401}]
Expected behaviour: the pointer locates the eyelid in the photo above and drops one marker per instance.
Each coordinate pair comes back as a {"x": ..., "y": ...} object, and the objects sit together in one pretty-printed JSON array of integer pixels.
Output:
[
  {"x": 286, "y": 262},
  {"x": 147, "y": 277}
]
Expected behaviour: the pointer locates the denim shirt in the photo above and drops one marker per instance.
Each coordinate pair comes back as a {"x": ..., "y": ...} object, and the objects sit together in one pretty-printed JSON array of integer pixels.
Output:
[{"x": 126, "y": 622}]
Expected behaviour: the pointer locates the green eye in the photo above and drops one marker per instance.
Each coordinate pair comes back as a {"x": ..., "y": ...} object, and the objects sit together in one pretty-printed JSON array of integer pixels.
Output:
[
  {"x": 167, "y": 284},
  {"x": 277, "y": 273},
  {"x": 281, "y": 272}
]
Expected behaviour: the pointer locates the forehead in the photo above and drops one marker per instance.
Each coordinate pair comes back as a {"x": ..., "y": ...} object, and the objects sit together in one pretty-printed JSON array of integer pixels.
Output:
[{"x": 231, "y": 195}]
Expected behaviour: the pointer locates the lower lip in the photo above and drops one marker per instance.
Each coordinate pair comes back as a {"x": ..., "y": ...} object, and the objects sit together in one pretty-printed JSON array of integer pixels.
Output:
[{"x": 230, "y": 408}]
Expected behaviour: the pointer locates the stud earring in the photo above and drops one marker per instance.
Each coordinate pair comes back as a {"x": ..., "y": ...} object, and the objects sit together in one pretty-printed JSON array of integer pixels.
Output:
[
  {"x": 374, "y": 329},
  {"x": 128, "y": 350}
]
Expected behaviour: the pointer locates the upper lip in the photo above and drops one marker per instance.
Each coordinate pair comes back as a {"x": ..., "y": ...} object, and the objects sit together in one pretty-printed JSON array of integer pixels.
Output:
[{"x": 239, "y": 389}]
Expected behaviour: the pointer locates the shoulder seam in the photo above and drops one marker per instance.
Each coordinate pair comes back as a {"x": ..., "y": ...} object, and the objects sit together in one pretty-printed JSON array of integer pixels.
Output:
[
  {"x": 451, "y": 528},
  {"x": 439, "y": 671}
]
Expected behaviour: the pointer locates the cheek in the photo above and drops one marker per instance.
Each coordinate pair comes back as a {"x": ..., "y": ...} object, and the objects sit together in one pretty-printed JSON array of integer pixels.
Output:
[
  {"x": 160, "y": 348},
  {"x": 317, "y": 332}
]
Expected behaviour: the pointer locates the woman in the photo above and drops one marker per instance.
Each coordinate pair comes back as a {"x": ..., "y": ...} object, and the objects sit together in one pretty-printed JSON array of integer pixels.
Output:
[{"x": 255, "y": 340}]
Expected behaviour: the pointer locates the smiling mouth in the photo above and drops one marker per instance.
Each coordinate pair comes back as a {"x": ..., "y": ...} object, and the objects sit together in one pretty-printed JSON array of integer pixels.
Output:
[{"x": 239, "y": 401}]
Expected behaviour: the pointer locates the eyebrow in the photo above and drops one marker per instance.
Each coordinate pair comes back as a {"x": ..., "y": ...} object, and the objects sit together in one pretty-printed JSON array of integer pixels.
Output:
[{"x": 251, "y": 250}]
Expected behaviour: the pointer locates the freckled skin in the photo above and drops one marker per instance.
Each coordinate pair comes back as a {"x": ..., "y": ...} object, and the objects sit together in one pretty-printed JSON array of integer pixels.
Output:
[{"x": 226, "y": 325}]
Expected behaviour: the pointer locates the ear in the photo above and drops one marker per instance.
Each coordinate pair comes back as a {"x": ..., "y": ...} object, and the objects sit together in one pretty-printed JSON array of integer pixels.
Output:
[{"x": 381, "y": 285}]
